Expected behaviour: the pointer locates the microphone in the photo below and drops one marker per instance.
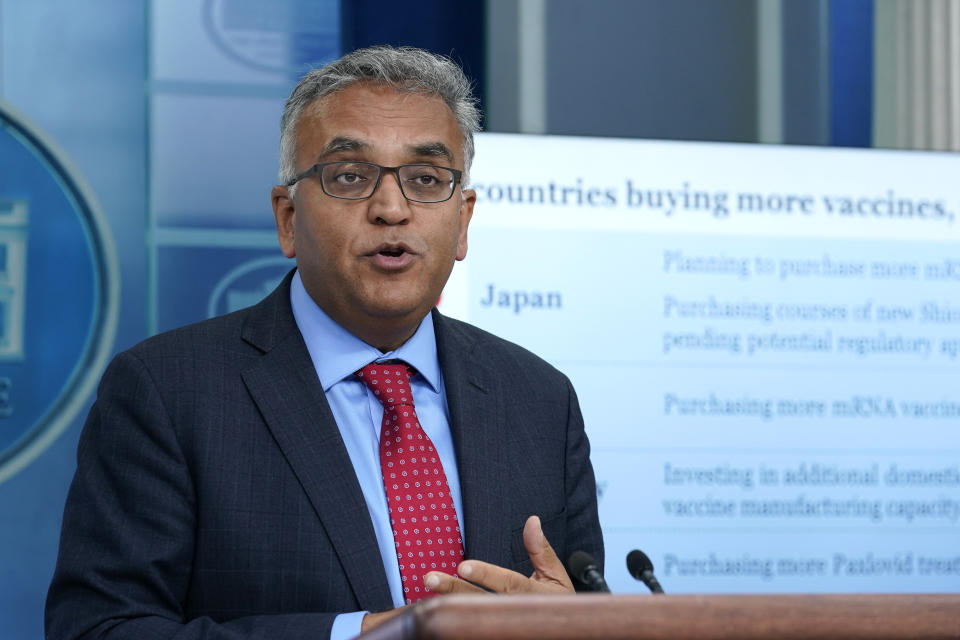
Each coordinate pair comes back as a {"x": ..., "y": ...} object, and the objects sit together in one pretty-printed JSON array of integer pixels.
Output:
[
  {"x": 584, "y": 568},
  {"x": 640, "y": 567}
]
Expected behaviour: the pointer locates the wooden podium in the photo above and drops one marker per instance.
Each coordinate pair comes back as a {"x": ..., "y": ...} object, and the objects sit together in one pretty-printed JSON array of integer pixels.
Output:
[{"x": 677, "y": 617}]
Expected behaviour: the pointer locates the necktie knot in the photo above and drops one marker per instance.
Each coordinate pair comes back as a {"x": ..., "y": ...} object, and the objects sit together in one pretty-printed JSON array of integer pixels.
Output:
[{"x": 390, "y": 383}]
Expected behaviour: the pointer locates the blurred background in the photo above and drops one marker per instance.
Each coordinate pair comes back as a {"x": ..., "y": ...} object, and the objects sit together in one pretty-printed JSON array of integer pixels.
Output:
[{"x": 139, "y": 147}]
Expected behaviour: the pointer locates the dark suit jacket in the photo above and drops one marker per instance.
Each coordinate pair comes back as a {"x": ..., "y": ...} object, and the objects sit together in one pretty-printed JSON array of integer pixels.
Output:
[{"x": 214, "y": 497}]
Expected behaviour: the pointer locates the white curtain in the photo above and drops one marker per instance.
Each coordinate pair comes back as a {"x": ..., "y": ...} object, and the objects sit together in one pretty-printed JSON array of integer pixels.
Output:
[{"x": 917, "y": 74}]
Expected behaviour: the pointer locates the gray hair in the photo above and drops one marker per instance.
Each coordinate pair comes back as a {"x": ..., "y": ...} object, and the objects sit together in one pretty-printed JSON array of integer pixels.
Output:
[{"x": 403, "y": 69}]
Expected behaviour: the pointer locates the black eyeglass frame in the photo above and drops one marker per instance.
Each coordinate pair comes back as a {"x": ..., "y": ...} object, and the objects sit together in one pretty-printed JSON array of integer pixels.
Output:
[{"x": 318, "y": 169}]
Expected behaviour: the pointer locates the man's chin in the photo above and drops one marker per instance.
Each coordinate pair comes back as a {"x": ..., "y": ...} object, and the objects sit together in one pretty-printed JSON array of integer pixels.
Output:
[
  {"x": 387, "y": 326},
  {"x": 413, "y": 316},
  {"x": 398, "y": 309}
]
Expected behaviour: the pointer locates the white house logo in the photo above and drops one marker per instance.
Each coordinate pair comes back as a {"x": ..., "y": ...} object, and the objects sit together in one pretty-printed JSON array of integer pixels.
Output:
[
  {"x": 59, "y": 291},
  {"x": 285, "y": 36},
  {"x": 247, "y": 284}
]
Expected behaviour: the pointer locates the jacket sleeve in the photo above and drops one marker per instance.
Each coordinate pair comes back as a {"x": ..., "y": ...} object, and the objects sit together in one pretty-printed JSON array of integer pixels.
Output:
[
  {"x": 128, "y": 536},
  {"x": 583, "y": 522}
]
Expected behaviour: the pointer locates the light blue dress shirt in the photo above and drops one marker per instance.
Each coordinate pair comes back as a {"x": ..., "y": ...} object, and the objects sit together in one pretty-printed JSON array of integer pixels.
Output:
[{"x": 337, "y": 355}]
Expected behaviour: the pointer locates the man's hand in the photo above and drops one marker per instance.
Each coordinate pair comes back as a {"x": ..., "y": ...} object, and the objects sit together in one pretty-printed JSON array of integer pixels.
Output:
[
  {"x": 372, "y": 620},
  {"x": 548, "y": 576}
]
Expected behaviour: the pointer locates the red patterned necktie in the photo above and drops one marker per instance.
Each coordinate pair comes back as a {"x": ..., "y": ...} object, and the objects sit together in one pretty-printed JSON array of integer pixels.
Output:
[{"x": 422, "y": 513}]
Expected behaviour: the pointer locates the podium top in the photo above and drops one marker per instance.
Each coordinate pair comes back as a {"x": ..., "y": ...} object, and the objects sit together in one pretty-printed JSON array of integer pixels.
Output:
[{"x": 678, "y": 617}]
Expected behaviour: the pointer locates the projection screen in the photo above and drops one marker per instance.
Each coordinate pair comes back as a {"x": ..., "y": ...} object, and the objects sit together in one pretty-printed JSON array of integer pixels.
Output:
[{"x": 765, "y": 341}]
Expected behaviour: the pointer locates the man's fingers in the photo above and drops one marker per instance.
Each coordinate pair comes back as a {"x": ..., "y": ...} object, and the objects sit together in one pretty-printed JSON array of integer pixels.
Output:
[
  {"x": 443, "y": 583},
  {"x": 546, "y": 564},
  {"x": 537, "y": 545},
  {"x": 549, "y": 575},
  {"x": 493, "y": 577}
]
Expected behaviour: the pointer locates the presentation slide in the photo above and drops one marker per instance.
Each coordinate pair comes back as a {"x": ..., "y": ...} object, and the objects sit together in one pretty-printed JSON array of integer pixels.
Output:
[{"x": 765, "y": 341}]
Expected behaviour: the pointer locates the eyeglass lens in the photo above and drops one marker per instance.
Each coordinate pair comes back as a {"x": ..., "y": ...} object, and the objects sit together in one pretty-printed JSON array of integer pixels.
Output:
[{"x": 357, "y": 180}]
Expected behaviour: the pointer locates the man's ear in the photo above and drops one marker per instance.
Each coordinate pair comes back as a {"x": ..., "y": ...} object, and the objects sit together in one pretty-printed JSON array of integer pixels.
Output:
[
  {"x": 284, "y": 214},
  {"x": 466, "y": 213}
]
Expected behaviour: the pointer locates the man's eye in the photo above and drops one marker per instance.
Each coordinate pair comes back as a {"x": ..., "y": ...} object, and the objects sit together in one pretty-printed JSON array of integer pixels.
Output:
[
  {"x": 425, "y": 177},
  {"x": 348, "y": 178}
]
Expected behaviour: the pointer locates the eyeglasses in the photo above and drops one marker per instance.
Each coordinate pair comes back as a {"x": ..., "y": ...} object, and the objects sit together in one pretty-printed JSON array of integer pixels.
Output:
[{"x": 358, "y": 180}]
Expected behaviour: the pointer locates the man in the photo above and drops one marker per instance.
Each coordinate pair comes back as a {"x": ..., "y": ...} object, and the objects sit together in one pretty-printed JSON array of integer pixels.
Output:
[{"x": 236, "y": 479}]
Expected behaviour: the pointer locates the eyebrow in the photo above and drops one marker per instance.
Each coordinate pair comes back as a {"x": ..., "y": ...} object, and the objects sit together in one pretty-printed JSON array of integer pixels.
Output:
[
  {"x": 428, "y": 149},
  {"x": 433, "y": 149},
  {"x": 342, "y": 143}
]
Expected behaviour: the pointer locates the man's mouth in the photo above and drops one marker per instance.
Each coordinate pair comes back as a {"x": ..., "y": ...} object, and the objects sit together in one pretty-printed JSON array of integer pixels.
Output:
[
  {"x": 392, "y": 256},
  {"x": 392, "y": 249}
]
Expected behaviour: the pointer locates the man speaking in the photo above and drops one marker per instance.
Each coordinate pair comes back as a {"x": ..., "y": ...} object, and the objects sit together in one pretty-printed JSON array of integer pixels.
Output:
[{"x": 307, "y": 466}]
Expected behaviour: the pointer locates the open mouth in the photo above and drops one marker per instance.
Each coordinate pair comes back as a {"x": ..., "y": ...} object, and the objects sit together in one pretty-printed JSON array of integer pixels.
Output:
[
  {"x": 392, "y": 256},
  {"x": 391, "y": 250}
]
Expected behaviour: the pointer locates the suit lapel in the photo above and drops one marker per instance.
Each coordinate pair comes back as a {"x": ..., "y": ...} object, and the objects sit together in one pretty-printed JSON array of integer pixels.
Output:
[
  {"x": 476, "y": 422},
  {"x": 284, "y": 385}
]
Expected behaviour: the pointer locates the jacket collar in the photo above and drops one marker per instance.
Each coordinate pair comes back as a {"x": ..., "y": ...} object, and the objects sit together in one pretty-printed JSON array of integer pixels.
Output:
[{"x": 284, "y": 385}]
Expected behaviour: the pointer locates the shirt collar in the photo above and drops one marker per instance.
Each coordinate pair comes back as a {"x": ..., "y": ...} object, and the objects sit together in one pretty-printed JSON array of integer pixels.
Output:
[{"x": 337, "y": 354}]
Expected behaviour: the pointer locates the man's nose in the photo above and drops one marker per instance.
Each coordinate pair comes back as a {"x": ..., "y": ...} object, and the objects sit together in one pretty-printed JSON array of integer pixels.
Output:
[{"x": 388, "y": 205}]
